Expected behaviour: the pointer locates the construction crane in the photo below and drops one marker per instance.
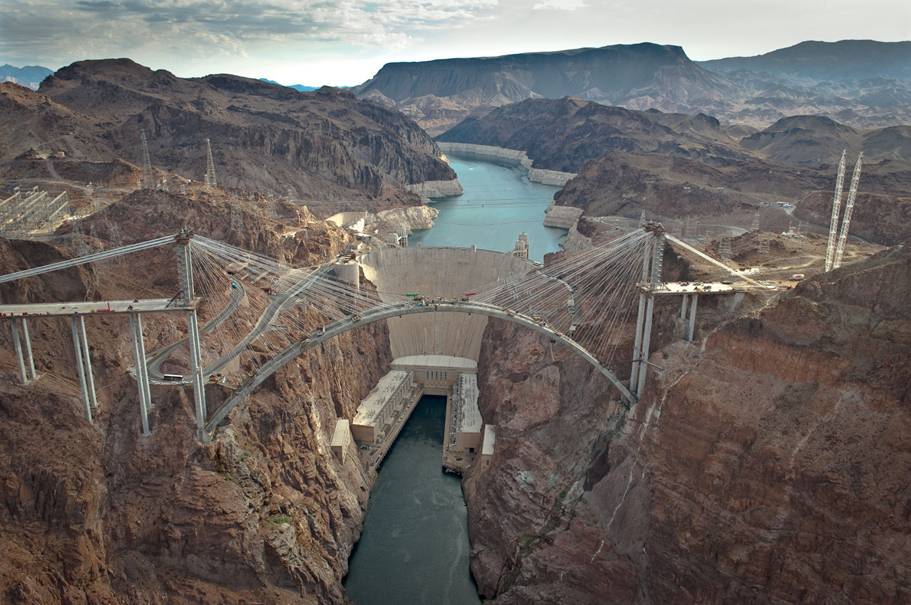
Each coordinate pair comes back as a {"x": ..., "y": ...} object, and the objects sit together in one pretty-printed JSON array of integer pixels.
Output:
[
  {"x": 836, "y": 207},
  {"x": 849, "y": 210}
]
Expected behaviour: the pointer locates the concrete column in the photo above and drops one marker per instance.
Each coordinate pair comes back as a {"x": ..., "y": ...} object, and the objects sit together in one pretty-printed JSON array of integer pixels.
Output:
[
  {"x": 691, "y": 329},
  {"x": 199, "y": 391},
  {"x": 637, "y": 343},
  {"x": 683, "y": 307},
  {"x": 142, "y": 375},
  {"x": 657, "y": 250},
  {"x": 185, "y": 275},
  {"x": 80, "y": 368},
  {"x": 17, "y": 345},
  {"x": 30, "y": 359},
  {"x": 90, "y": 380},
  {"x": 640, "y": 316},
  {"x": 646, "y": 345}
]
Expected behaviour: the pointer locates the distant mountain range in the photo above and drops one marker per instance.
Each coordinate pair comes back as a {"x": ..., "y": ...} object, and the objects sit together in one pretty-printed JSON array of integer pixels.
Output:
[
  {"x": 297, "y": 87},
  {"x": 29, "y": 76},
  {"x": 863, "y": 83},
  {"x": 816, "y": 62}
]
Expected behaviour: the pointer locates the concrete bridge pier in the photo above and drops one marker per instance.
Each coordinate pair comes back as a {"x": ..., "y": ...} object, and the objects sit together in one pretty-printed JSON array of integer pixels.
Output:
[
  {"x": 23, "y": 354},
  {"x": 651, "y": 271},
  {"x": 83, "y": 366},
  {"x": 142, "y": 371},
  {"x": 185, "y": 275},
  {"x": 691, "y": 323}
]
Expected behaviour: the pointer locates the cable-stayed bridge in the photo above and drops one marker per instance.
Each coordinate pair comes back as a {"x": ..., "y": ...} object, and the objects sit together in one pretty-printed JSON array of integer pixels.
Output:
[{"x": 260, "y": 313}]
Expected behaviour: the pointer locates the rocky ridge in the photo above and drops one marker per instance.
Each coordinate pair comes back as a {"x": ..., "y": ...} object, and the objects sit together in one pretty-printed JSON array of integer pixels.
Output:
[
  {"x": 861, "y": 82},
  {"x": 323, "y": 145}
]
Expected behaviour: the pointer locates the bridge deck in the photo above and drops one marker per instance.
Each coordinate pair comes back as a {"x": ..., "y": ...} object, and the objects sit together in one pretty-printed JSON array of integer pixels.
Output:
[
  {"x": 152, "y": 305},
  {"x": 677, "y": 288}
]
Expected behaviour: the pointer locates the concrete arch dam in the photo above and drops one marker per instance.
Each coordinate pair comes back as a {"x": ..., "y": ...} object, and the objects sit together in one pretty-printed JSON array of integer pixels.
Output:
[{"x": 438, "y": 273}]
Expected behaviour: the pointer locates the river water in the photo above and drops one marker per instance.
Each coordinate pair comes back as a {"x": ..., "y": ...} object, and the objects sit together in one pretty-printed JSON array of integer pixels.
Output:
[{"x": 414, "y": 547}]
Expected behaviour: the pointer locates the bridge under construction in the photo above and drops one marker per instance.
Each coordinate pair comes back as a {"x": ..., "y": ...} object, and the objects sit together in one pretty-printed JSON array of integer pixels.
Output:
[{"x": 263, "y": 313}]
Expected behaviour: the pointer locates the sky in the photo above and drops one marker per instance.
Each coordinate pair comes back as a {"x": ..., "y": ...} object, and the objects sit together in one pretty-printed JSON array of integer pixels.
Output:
[{"x": 345, "y": 42}]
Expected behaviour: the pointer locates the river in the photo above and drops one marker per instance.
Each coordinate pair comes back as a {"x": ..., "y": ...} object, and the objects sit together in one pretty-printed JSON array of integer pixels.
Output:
[{"x": 414, "y": 547}]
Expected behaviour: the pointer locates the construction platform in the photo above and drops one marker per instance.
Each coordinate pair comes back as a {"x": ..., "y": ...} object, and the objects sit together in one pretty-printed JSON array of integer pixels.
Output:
[{"x": 151, "y": 305}]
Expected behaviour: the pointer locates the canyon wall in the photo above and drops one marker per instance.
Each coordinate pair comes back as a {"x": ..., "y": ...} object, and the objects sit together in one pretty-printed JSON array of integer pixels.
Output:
[
  {"x": 97, "y": 513},
  {"x": 766, "y": 463}
]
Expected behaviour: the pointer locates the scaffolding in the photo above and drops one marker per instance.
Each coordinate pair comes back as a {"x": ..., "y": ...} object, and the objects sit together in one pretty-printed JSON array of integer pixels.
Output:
[{"x": 36, "y": 212}]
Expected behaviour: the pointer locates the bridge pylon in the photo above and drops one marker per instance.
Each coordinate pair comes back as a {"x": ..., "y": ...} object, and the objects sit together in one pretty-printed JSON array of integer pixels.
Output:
[
  {"x": 651, "y": 278},
  {"x": 185, "y": 274}
]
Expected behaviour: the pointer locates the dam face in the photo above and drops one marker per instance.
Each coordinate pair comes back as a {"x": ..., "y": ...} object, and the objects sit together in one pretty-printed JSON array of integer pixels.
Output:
[{"x": 433, "y": 273}]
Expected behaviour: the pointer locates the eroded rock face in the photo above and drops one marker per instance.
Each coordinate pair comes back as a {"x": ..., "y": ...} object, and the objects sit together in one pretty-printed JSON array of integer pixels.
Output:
[
  {"x": 768, "y": 462},
  {"x": 100, "y": 514},
  {"x": 322, "y": 145}
]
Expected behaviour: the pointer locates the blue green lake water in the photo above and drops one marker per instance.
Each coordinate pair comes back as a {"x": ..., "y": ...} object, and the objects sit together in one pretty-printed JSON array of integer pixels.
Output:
[{"x": 498, "y": 203}]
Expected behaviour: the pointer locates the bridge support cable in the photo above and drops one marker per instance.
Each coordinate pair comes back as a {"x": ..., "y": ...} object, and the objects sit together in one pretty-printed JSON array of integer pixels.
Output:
[
  {"x": 706, "y": 257},
  {"x": 588, "y": 295},
  {"x": 88, "y": 258},
  {"x": 142, "y": 373},
  {"x": 582, "y": 300}
]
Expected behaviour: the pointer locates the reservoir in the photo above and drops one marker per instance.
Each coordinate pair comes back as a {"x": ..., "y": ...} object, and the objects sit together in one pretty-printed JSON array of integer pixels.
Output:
[
  {"x": 414, "y": 547},
  {"x": 497, "y": 205}
]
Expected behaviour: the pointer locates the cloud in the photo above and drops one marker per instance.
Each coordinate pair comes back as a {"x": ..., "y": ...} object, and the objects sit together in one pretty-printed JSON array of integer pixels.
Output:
[
  {"x": 60, "y": 31},
  {"x": 560, "y": 5}
]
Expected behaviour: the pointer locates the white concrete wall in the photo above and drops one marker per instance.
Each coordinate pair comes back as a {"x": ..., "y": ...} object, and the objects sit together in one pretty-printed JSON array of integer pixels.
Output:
[
  {"x": 436, "y": 189},
  {"x": 509, "y": 157},
  {"x": 438, "y": 272}
]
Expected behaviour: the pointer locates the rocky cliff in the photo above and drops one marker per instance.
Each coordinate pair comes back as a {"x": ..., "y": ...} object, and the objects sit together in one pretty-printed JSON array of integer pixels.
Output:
[
  {"x": 100, "y": 514},
  {"x": 565, "y": 134},
  {"x": 317, "y": 146},
  {"x": 765, "y": 463}
]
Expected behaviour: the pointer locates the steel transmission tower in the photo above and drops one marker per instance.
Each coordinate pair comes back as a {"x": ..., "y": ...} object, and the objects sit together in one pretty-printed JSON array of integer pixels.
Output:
[
  {"x": 836, "y": 207},
  {"x": 849, "y": 210},
  {"x": 147, "y": 179},
  {"x": 211, "y": 183}
]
